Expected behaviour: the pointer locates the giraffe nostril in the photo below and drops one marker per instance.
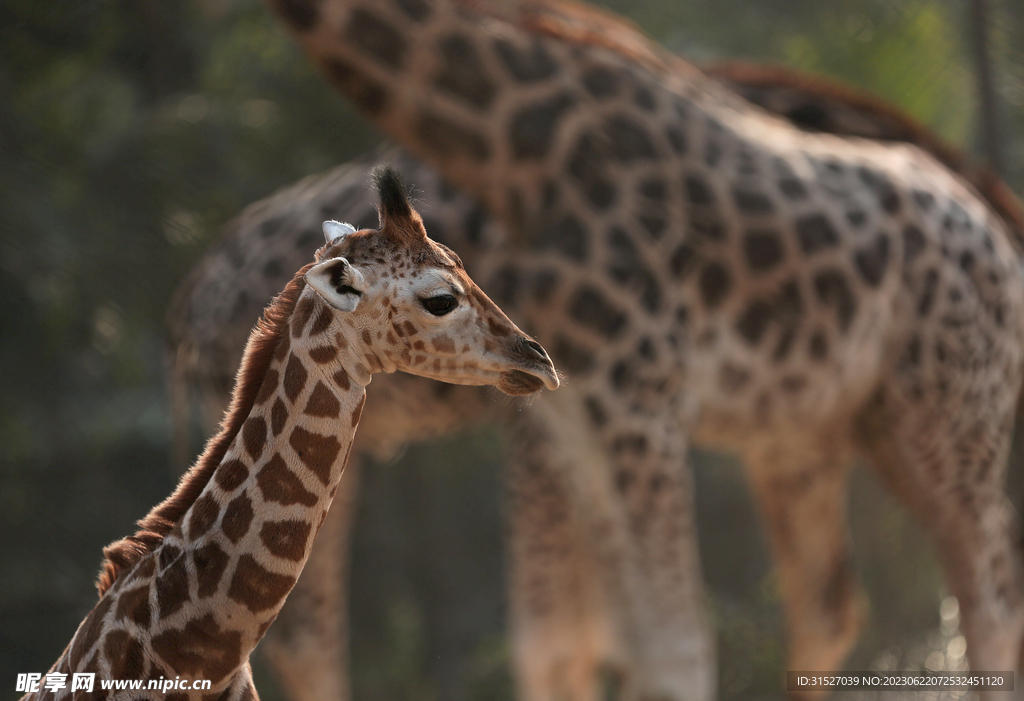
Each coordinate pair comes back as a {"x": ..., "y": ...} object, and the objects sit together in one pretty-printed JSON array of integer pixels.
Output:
[{"x": 537, "y": 348}]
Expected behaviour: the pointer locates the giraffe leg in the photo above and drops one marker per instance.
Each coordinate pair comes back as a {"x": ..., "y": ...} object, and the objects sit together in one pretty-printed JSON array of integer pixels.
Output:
[
  {"x": 948, "y": 466},
  {"x": 801, "y": 490},
  {"x": 560, "y": 630},
  {"x": 307, "y": 645},
  {"x": 629, "y": 493}
]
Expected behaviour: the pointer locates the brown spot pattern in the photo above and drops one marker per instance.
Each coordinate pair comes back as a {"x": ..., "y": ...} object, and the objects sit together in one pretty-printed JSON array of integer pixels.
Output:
[
  {"x": 92, "y": 665},
  {"x": 341, "y": 379},
  {"x": 496, "y": 328},
  {"x": 444, "y": 344},
  {"x": 257, "y": 588},
  {"x": 279, "y": 484},
  {"x": 232, "y": 474},
  {"x": 209, "y": 562},
  {"x": 322, "y": 321},
  {"x": 286, "y": 539},
  {"x": 204, "y": 514},
  {"x": 294, "y": 378},
  {"x": 283, "y": 346},
  {"x": 303, "y": 310},
  {"x": 300, "y": 14},
  {"x": 167, "y": 554},
  {"x": 90, "y": 631},
  {"x": 278, "y": 416},
  {"x": 147, "y": 566},
  {"x": 172, "y": 588},
  {"x": 446, "y": 137},
  {"x": 237, "y": 517},
  {"x": 366, "y": 93},
  {"x": 322, "y": 402},
  {"x": 200, "y": 650},
  {"x": 316, "y": 452},
  {"x": 323, "y": 354},
  {"x": 134, "y": 605},
  {"x": 125, "y": 655},
  {"x": 269, "y": 387},
  {"x": 254, "y": 436},
  {"x": 376, "y": 38},
  {"x": 358, "y": 412}
]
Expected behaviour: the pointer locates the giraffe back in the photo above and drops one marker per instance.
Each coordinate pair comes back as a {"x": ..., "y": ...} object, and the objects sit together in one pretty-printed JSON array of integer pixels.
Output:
[
  {"x": 817, "y": 104},
  {"x": 209, "y": 320}
]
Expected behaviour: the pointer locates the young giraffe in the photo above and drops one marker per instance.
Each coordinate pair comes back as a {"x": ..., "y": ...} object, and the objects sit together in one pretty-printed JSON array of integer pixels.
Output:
[
  {"x": 194, "y": 590},
  {"x": 722, "y": 275}
]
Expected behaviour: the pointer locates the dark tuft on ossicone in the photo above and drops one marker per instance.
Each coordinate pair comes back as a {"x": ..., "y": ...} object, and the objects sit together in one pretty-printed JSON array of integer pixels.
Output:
[{"x": 391, "y": 192}]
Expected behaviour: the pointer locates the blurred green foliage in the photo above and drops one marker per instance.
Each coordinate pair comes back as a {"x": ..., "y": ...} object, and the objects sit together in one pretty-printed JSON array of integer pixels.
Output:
[{"x": 130, "y": 131}]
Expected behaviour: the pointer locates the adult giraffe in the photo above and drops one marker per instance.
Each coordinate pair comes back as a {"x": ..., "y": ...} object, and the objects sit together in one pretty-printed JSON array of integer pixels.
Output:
[{"x": 699, "y": 268}]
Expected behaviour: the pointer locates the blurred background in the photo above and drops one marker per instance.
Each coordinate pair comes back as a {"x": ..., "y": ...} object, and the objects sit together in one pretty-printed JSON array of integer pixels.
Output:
[{"x": 130, "y": 131}]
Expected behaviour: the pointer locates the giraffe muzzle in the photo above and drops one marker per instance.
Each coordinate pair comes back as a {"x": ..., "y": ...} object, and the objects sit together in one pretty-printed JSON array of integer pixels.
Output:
[{"x": 534, "y": 370}]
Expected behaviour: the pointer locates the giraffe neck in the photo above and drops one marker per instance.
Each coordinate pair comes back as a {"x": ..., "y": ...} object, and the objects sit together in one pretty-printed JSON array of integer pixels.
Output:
[
  {"x": 508, "y": 105},
  {"x": 199, "y": 603}
]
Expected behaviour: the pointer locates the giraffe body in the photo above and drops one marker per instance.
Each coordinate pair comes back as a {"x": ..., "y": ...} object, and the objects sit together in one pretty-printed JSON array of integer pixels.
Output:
[
  {"x": 197, "y": 587},
  {"x": 703, "y": 271}
]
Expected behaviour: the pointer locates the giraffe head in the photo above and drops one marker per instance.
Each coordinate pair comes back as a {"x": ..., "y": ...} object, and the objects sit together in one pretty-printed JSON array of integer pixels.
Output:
[{"x": 403, "y": 302}]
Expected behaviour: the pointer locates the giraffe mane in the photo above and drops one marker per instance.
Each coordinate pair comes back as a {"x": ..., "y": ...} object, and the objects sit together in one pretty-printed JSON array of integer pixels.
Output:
[
  {"x": 578, "y": 23},
  {"x": 121, "y": 555},
  {"x": 897, "y": 126},
  {"x": 582, "y": 24}
]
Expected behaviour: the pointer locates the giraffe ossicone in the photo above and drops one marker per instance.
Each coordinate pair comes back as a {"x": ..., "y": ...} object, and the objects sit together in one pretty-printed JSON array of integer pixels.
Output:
[{"x": 192, "y": 592}]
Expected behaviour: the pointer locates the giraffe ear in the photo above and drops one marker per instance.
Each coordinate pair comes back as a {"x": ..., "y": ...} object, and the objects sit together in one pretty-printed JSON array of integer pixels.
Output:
[
  {"x": 334, "y": 230},
  {"x": 338, "y": 282}
]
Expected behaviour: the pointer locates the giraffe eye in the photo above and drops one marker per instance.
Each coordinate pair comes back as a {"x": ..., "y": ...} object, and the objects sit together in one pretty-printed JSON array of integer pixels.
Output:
[{"x": 440, "y": 305}]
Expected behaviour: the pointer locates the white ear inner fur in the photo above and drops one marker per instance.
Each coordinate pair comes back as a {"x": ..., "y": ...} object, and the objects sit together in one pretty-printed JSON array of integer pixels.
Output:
[{"x": 319, "y": 278}]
